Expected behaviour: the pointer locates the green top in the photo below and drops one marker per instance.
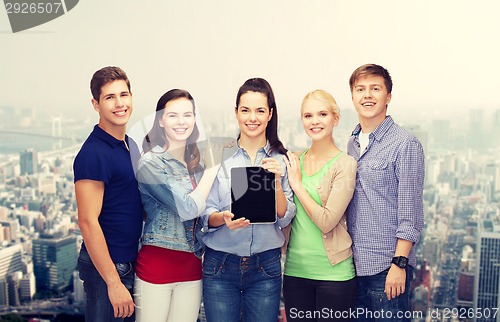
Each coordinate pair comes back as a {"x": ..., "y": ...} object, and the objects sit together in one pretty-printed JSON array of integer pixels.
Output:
[{"x": 306, "y": 256}]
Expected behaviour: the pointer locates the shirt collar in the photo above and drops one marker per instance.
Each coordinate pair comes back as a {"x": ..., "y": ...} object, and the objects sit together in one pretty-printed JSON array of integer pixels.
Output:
[
  {"x": 163, "y": 154},
  {"x": 106, "y": 137},
  {"x": 236, "y": 148},
  {"x": 160, "y": 150},
  {"x": 379, "y": 131}
]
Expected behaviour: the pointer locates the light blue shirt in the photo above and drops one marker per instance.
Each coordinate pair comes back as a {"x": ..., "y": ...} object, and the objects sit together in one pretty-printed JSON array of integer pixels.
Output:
[{"x": 255, "y": 238}]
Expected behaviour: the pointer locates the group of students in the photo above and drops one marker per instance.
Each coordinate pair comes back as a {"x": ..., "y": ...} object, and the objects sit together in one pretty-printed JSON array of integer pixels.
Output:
[{"x": 158, "y": 231}]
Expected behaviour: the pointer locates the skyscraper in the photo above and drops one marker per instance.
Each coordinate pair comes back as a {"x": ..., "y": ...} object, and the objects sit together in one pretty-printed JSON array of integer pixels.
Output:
[
  {"x": 441, "y": 133},
  {"x": 27, "y": 287},
  {"x": 477, "y": 131},
  {"x": 11, "y": 260},
  {"x": 492, "y": 169},
  {"x": 27, "y": 284},
  {"x": 12, "y": 226},
  {"x": 4, "y": 293},
  {"x": 78, "y": 290},
  {"x": 10, "y": 264},
  {"x": 495, "y": 126},
  {"x": 487, "y": 283},
  {"x": 54, "y": 260},
  {"x": 13, "y": 287},
  {"x": 422, "y": 135},
  {"x": 28, "y": 160}
]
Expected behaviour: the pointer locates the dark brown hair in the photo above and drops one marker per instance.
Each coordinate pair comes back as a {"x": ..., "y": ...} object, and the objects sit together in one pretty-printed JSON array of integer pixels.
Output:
[
  {"x": 156, "y": 136},
  {"x": 260, "y": 85},
  {"x": 104, "y": 76}
]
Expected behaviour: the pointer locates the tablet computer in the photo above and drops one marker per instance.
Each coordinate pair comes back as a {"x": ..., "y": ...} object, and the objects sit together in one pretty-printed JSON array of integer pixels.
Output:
[{"x": 253, "y": 194}]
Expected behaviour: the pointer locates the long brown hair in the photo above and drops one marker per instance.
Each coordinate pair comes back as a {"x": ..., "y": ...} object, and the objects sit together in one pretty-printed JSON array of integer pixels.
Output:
[{"x": 157, "y": 136}]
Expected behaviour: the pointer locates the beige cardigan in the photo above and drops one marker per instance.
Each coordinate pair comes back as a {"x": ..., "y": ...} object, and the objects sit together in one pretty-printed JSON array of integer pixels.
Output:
[{"x": 335, "y": 191}]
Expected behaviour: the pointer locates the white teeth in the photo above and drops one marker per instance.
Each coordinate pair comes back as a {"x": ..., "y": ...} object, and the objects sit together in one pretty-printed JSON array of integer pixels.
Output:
[
  {"x": 121, "y": 113},
  {"x": 316, "y": 130},
  {"x": 368, "y": 104},
  {"x": 252, "y": 127}
]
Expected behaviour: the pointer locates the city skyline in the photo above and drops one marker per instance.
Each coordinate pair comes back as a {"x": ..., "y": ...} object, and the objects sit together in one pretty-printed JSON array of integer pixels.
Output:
[
  {"x": 21, "y": 131},
  {"x": 461, "y": 189}
]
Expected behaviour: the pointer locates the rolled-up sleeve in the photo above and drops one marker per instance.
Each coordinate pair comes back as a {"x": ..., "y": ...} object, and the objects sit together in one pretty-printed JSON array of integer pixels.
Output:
[
  {"x": 410, "y": 171},
  {"x": 212, "y": 205}
]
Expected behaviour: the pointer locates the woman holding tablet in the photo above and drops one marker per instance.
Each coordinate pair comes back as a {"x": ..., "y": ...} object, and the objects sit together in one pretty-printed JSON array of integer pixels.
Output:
[
  {"x": 173, "y": 186},
  {"x": 319, "y": 270},
  {"x": 241, "y": 266}
]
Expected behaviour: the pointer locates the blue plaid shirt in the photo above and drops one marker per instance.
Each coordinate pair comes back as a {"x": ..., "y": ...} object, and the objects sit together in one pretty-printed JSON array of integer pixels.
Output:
[{"x": 387, "y": 204}]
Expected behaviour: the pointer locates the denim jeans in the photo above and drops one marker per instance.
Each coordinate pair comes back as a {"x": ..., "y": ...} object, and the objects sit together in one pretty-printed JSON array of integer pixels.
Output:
[
  {"x": 242, "y": 288},
  {"x": 98, "y": 307},
  {"x": 372, "y": 301}
]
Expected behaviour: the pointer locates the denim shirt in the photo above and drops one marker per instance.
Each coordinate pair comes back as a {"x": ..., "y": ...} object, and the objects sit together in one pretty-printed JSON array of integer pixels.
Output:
[
  {"x": 170, "y": 203},
  {"x": 255, "y": 238}
]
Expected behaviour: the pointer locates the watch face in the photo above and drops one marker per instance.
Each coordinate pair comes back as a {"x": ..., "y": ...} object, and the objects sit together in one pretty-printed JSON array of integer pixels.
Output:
[{"x": 400, "y": 261}]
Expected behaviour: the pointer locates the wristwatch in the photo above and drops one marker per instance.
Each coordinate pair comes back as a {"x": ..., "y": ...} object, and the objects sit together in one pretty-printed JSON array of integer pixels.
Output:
[{"x": 400, "y": 261}]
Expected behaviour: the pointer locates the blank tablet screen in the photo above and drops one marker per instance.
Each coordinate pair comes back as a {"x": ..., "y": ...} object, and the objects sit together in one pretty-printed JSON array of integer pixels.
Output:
[{"x": 253, "y": 194}]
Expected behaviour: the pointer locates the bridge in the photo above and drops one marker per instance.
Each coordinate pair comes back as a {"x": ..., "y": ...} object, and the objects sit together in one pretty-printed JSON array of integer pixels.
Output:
[{"x": 48, "y": 136}]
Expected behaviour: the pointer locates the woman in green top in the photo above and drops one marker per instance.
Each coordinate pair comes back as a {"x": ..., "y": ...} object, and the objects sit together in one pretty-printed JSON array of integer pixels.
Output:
[{"x": 319, "y": 282}]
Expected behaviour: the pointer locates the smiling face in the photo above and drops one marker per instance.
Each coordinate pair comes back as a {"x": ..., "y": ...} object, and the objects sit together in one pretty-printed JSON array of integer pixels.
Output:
[
  {"x": 114, "y": 106},
  {"x": 253, "y": 114},
  {"x": 178, "y": 121},
  {"x": 318, "y": 119},
  {"x": 370, "y": 98}
]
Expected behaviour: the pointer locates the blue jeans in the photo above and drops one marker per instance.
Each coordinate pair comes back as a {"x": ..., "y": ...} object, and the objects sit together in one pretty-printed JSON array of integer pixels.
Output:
[
  {"x": 242, "y": 288},
  {"x": 98, "y": 307},
  {"x": 373, "y": 303}
]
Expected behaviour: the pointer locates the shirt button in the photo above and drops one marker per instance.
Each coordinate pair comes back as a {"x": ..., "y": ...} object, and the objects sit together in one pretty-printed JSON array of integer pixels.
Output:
[{"x": 324, "y": 236}]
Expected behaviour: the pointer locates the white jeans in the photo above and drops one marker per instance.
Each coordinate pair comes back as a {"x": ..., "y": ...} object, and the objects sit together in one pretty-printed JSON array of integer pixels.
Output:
[{"x": 173, "y": 302}]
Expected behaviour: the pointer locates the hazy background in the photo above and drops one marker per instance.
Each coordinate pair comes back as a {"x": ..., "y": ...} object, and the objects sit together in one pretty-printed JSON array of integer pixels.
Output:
[{"x": 443, "y": 55}]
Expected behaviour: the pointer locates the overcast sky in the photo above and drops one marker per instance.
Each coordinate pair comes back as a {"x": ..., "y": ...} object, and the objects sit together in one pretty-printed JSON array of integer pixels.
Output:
[{"x": 444, "y": 56}]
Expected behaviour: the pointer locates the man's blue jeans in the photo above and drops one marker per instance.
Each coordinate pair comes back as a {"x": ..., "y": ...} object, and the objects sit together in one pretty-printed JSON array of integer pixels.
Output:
[
  {"x": 242, "y": 288},
  {"x": 373, "y": 304},
  {"x": 98, "y": 307}
]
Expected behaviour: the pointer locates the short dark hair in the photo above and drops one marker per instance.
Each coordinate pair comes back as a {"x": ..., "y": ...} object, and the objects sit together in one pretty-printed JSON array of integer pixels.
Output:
[
  {"x": 371, "y": 70},
  {"x": 104, "y": 76}
]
